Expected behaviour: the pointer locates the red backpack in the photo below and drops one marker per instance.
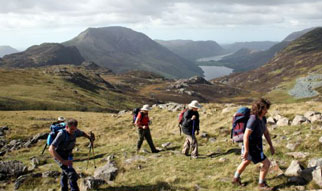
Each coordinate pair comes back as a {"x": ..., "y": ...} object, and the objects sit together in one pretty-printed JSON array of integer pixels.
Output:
[{"x": 180, "y": 116}]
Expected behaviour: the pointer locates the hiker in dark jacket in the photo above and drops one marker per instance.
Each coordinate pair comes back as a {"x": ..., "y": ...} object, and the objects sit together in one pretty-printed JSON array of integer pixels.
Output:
[
  {"x": 61, "y": 149},
  {"x": 252, "y": 149},
  {"x": 190, "y": 126},
  {"x": 142, "y": 122}
]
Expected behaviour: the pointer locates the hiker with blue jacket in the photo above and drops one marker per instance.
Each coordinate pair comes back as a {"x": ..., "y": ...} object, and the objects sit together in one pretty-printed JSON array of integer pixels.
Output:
[
  {"x": 252, "y": 149},
  {"x": 142, "y": 122},
  {"x": 61, "y": 149},
  {"x": 190, "y": 127}
]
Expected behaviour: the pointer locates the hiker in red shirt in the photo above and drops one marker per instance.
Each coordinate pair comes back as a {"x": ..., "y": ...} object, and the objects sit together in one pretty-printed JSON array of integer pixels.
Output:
[{"x": 142, "y": 122}]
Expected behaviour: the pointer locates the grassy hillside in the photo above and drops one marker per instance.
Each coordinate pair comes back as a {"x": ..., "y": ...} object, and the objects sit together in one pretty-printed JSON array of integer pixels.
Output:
[{"x": 167, "y": 170}]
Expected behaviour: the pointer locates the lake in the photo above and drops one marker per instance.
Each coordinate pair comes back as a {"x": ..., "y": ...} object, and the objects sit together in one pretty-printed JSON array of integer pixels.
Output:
[{"x": 212, "y": 72}]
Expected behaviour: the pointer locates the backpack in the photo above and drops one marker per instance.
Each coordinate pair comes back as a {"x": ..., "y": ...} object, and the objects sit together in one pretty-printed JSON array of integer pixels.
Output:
[
  {"x": 239, "y": 124},
  {"x": 180, "y": 116},
  {"x": 54, "y": 129},
  {"x": 135, "y": 113}
]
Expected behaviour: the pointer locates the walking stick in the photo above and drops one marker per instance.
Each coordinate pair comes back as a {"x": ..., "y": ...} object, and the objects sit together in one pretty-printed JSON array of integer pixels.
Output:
[
  {"x": 88, "y": 156},
  {"x": 44, "y": 149}
]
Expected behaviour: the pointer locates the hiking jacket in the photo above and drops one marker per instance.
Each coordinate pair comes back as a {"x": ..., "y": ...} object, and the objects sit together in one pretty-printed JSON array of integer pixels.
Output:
[
  {"x": 142, "y": 120},
  {"x": 188, "y": 123}
]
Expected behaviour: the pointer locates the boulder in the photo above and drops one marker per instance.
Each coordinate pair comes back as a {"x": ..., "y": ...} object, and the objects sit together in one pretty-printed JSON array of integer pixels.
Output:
[
  {"x": 298, "y": 155},
  {"x": 314, "y": 162},
  {"x": 12, "y": 168},
  {"x": 20, "y": 181},
  {"x": 90, "y": 183},
  {"x": 271, "y": 121},
  {"x": 282, "y": 122},
  {"x": 34, "y": 162},
  {"x": 275, "y": 169},
  {"x": 313, "y": 116},
  {"x": 52, "y": 174},
  {"x": 294, "y": 169},
  {"x": 107, "y": 172},
  {"x": 299, "y": 119},
  {"x": 317, "y": 176}
]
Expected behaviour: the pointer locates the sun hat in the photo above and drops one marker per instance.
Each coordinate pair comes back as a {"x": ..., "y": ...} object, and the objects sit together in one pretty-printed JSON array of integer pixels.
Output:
[
  {"x": 145, "y": 108},
  {"x": 61, "y": 118},
  {"x": 195, "y": 104}
]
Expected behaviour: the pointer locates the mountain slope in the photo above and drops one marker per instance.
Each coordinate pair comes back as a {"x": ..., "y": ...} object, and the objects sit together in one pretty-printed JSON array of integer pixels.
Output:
[
  {"x": 192, "y": 50},
  {"x": 300, "y": 58},
  {"x": 122, "y": 49},
  {"x": 254, "y": 45},
  {"x": 45, "y": 54},
  {"x": 4, "y": 50},
  {"x": 297, "y": 34}
]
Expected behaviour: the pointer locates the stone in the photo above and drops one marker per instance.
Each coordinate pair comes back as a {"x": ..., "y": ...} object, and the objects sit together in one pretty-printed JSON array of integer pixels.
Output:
[
  {"x": 298, "y": 155},
  {"x": 274, "y": 168},
  {"x": 34, "y": 162},
  {"x": 294, "y": 169},
  {"x": 204, "y": 135},
  {"x": 165, "y": 145},
  {"x": 317, "y": 176},
  {"x": 314, "y": 162},
  {"x": 90, "y": 183},
  {"x": 227, "y": 110},
  {"x": 296, "y": 180},
  {"x": 313, "y": 116},
  {"x": 52, "y": 174},
  {"x": 292, "y": 146},
  {"x": 282, "y": 122},
  {"x": 320, "y": 139},
  {"x": 12, "y": 168},
  {"x": 299, "y": 119},
  {"x": 135, "y": 158},
  {"x": 20, "y": 181},
  {"x": 107, "y": 172},
  {"x": 271, "y": 121},
  {"x": 212, "y": 140},
  {"x": 223, "y": 160}
]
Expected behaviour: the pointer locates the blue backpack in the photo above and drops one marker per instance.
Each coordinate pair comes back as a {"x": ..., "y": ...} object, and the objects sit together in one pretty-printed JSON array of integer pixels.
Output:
[
  {"x": 54, "y": 129},
  {"x": 239, "y": 124}
]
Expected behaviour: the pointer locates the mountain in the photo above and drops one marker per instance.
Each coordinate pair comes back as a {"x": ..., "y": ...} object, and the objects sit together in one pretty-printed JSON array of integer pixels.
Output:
[
  {"x": 246, "y": 59},
  {"x": 192, "y": 50},
  {"x": 301, "y": 58},
  {"x": 254, "y": 45},
  {"x": 45, "y": 54},
  {"x": 297, "y": 34},
  {"x": 122, "y": 49},
  {"x": 4, "y": 50}
]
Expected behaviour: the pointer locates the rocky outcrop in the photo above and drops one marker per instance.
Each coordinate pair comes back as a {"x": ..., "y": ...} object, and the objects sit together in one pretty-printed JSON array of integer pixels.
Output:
[
  {"x": 171, "y": 106},
  {"x": 12, "y": 168},
  {"x": 107, "y": 172},
  {"x": 91, "y": 183},
  {"x": 299, "y": 119}
]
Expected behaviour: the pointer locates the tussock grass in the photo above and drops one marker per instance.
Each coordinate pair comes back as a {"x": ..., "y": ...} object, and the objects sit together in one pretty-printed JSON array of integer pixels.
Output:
[{"x": 167, "y": 170}]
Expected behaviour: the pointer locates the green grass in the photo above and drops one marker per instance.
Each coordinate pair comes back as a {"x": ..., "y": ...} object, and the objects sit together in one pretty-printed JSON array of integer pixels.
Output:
[{"x": 167, "y": 170}]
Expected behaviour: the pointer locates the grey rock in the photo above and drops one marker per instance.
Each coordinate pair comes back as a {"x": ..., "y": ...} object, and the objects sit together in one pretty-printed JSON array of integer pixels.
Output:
[
  {"x": 271, "y": 121},
  {"x": 90, "y": 183},
  {"x": 19, "y": 181},
  {"x": 282, "y": 122},
  {"x": 292, "y": 146},
  {"x": 12, "y": 168},
  {"x": 298, "y": 155},
  {"x": 275, "y": 168},
  {"x": 314, "y": 162},
  {"x": 317, "y": 176},
  {"x": 212, "y": 140},
  {"x": 107, "y": 172},
  {"x": 52, "y": 174},
  {"x": 299, "y": 119},
  {"x": 34, "y": 162},
  {"x": 320, "y": 139},
  {"x": 294, "y": 169},
  {"x": 223, "y": 160},
  {"x": 204, "y": 135},
  {"x": 313, "y": 116},
  {"x": 165, "y": 145}
]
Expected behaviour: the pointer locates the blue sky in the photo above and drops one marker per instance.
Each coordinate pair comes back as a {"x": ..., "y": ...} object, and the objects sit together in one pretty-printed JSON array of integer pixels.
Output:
[{"x": 24, "y": 23}]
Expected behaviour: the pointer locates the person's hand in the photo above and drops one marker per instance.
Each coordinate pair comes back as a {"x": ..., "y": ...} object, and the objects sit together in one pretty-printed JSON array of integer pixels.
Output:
[
  {"x": 67, "y": 162},
  {"x": 92, "y": 137},
  {"x": 272, "y": 150},
  {"x": 144, "y": 126},
  {"x": 197, "y": 132},
  {"x": 245, "y": 155},
  {"x": 193, "y": 117}
]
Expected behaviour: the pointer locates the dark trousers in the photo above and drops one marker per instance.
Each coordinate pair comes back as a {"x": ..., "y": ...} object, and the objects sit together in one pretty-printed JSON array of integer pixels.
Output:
[
  {"x": 68, "y": 174},
  {"x": 145, "y": 133}
]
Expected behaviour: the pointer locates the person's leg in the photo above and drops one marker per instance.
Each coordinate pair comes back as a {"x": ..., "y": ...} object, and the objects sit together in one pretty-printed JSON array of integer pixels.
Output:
[
  {"x": 264, "y": 170},
  {"x": 140, "y": 139},
  {"x": 186, "y": 145},
  {"x": 64, "y": 179},
  {"x": 242, "y": 166},
  {"x": 73, "y": 177},
  {"x": 194, "y": 145},
  {"x": 148, "y": 137}
]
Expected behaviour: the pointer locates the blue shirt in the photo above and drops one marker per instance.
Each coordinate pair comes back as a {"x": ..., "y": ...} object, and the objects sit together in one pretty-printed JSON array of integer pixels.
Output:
[{"x": 258, "y": 128}]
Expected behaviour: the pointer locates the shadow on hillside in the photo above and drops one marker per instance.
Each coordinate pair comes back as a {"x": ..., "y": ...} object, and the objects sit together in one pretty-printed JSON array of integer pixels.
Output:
[
  {"x": 172, "y": 148},
  {"x": 215, "y": 154},
  {"x": 158, "y": 186}
]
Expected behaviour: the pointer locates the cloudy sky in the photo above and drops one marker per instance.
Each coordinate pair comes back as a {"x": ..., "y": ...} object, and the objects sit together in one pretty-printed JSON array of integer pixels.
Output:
[{"x": 28, "y": 22}]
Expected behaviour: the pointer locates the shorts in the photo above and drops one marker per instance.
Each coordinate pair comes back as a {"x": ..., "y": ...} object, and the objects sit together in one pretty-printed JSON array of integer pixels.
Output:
[{"x": 255, "y": 155}]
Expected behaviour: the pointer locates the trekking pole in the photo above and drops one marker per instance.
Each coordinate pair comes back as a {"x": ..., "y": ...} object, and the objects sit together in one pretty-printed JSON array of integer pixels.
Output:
[
  {"x": 193, "y": 133},
  {"x": 44, "y": 149},
  {"x": 92, "y": 147},
  {"x": 88, "y": 156}
]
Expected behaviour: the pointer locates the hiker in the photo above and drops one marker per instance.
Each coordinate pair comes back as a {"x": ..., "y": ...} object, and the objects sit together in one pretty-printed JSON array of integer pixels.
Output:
[
  {"x": 252, "y": 149},
  {"x": 190, "y": 125},
  {"x": 142, "y": 122},
  {"x": 61, "y": 149}
]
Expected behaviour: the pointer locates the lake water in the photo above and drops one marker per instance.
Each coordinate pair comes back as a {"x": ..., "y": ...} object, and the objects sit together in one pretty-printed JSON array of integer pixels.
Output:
[{"x": 212, "y": 72}]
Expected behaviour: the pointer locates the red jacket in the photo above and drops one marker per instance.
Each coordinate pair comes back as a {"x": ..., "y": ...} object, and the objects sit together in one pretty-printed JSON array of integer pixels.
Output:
[{"x": 142, "y": 120}]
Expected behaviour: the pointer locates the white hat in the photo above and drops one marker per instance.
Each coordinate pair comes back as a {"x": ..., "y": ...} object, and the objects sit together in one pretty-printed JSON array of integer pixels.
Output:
[
  {"x": 61, "y": 118},
  {"x": 195, "y": 104},
  {"x": 145, "y": 108}
]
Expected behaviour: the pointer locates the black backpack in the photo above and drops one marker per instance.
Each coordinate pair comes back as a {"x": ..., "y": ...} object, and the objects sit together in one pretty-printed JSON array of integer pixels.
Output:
[{"x": 135, "y": 113}]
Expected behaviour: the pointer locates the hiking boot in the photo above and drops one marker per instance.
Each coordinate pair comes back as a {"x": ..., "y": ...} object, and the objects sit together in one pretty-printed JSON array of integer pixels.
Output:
[
  {"x": 264, "y": 186},
  {"x": 155, "y": 151},
  {"x": 237, "y": 182}
]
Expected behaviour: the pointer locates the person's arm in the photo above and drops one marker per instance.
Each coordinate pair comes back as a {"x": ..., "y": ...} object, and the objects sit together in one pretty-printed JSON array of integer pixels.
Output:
[
  {"x": 269, "y": 141},
  {"x": 80, "y": 133},
  {"x": 246, "y": 142},
  {"x": 53, "y": 153}
]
